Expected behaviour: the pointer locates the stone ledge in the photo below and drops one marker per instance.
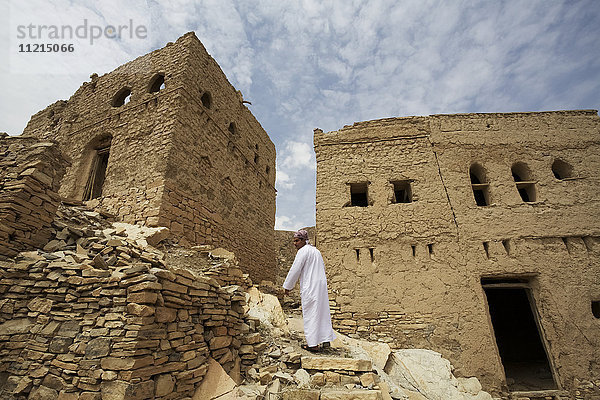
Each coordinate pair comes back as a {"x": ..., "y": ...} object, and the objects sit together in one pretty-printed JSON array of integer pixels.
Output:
[
  {"x": 336, "y": 364},
  {"x": 351, "y": 395}
]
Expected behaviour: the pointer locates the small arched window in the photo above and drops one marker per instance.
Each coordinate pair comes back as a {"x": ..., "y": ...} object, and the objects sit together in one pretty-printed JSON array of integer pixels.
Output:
[
  {"x": 480, "y": 185},
  {"x": 157, "y": 83},
  {"x": 562, "y": 169},
  {"x": 122, "y": 97},
  {"x": 206, "y": 100},
  {"x": 524, "y": 182}
]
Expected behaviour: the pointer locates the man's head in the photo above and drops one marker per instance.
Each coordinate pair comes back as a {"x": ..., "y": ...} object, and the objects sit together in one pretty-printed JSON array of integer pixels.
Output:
[{"x": 300, "y": 239}]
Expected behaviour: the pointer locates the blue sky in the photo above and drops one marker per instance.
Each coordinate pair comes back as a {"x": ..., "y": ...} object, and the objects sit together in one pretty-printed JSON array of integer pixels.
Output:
[{"x": 325, "y": 64}]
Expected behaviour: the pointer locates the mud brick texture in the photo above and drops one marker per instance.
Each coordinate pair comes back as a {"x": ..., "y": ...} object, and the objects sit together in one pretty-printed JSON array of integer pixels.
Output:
[
  {"x": 410, "y": 269},
  {"x": 188, "y": 155}
]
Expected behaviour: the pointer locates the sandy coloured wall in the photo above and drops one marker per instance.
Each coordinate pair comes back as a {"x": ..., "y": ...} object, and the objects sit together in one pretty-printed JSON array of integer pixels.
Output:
[{"x": 411, "y": 273}]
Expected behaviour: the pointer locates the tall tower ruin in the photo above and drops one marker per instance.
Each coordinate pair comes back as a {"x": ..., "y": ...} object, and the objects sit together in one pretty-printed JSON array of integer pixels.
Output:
[{"x": 166, "y": 140}]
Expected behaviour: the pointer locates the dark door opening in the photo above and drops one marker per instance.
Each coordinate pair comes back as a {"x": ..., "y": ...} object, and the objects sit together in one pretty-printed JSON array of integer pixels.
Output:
[
  {"x": 93, "y": 188},
  {"x": 519, "y": 342}
]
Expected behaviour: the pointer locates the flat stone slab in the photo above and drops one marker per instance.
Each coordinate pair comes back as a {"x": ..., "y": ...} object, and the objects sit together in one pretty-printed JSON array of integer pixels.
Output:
[
  {"x": 351, "y": 395},
  {"x": 336, "y": 364},
  {"x": 304, "y": 394}
]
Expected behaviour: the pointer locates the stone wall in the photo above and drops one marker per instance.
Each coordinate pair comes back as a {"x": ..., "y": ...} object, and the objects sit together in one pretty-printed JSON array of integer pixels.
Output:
[
  {"x": 97, "y": 316},
  {"x": 30, "y": 173},
  {"x": 187, "y": 155},
  {"x": 412, "y": 273}
]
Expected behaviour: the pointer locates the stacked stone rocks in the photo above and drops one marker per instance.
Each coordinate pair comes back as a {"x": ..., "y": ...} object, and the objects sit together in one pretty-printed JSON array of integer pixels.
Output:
[
  {"x": 30, "y": 173},
  {"x": 95, "y": 316},
  {"x": 219, "y": 264},
  {"x": 393, "y": 327}
]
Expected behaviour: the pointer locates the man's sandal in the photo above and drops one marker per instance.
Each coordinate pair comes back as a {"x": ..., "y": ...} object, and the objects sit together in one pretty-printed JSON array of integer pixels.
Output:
[{"x": 314, "y": 349}]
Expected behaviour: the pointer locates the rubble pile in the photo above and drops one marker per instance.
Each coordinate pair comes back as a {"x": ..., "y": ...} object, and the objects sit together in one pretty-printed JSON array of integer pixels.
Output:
[
  {"x": 107, "y": 311},
  {"x": 93, "y": 315},
  {"x": 218, "y": 264},
  {"x": 350, "y": 369}
]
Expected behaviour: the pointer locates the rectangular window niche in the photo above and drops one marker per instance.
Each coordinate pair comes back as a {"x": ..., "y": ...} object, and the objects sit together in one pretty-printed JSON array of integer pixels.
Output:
[
  {"x": 359, "y": 194},
  {"x": 402, "y": 191}
]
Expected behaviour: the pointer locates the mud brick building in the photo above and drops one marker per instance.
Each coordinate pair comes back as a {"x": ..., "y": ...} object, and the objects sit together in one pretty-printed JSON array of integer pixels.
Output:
[
  {"x": 166, "y": 140},
  {"x": 475, "y": 235}
]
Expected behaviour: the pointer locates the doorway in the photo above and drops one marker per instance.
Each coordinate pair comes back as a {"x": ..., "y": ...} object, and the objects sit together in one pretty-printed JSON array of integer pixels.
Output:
[
  {"x": 93, "y": 187},
  {"x": 520, "y": 344}
]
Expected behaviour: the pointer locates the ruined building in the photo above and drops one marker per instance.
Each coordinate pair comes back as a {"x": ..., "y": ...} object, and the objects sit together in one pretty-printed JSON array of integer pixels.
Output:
[
  {"x": 475, "y": 235},
  {"x": 166, "y": 140}
]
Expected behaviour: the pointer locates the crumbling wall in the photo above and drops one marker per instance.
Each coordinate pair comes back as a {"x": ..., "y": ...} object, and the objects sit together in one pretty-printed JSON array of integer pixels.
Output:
[
  {"x": 410, "y": 273},
  {"x": 187, "y": 155},
  {"x": 30, "y": 172},
  {"x": 100, "y": 317},
  {"x": 139, "y": 133}
]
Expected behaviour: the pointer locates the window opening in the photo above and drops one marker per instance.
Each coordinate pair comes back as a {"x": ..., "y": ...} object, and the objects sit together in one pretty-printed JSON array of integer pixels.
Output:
[
  {"x": 596, "y": 309},
  {"x": 122, "y": 97},
  {"x": 414, "y": 250},
  {"x": 525, "y": 185},
  {"x": 157, "y": 83},
  {"x": 561, "y": 169},
  {"x": 479, "y": 185},
  {"x": 232, "y": 128},
  {"x": 402, "y": 192},
  {"x": 507, "y": 247},
  {"x": 206, "y": 100},
  {"x": 514, "y": 322},
  {"x": 430, "y": 249},
  {"x": 357, "y": 254},
  {"x": 95, "y": 182},
  {"x": 486, "y": 247},
  {"x": 359, "y": 194},
  {"x": 267, "y": 170},
  {"x": 372, "y": 253},
  {"x": 256, "y": 159}
]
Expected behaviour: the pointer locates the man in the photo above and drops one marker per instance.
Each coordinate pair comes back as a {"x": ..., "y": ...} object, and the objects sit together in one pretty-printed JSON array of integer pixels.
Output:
[{"x": 309, "y": 267}]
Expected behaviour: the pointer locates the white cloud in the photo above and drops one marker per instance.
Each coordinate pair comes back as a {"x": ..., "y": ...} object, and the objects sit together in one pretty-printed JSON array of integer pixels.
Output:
[
  {"x": 326, "y": 64},
  {"x": 299, "y": 156},
  {"x": 284, "y": 223},
  {"x": 283, "y": 181}
]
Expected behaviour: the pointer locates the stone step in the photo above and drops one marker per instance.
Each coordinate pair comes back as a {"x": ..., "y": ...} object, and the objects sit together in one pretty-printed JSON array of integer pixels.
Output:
[
  {"x": 351, "y": 395},
  {"x": 332, "y": 394},
  {"x": 336, "y": 364}
]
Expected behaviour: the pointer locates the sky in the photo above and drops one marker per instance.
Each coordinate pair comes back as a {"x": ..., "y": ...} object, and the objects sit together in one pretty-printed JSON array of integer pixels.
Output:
[{"x": 310, "y": 64}]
